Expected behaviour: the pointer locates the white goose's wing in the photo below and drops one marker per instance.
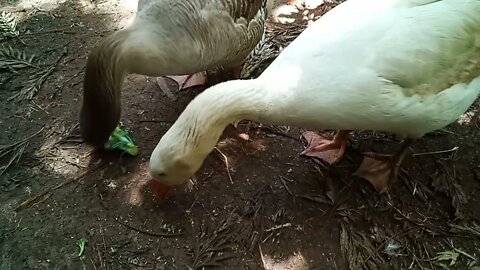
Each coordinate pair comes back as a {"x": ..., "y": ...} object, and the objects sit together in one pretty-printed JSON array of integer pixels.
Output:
[
  {"x": 429, "y": 48},
  {"x": 394, "y": 68},
  {"x": 436, "y": 43}
]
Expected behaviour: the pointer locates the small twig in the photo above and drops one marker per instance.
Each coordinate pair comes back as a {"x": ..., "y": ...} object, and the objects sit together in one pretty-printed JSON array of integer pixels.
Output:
[
  {"x": 450, "y": 242},
  {"x": 157, "y": 121},
  {"x": 104, "y": 245},
  {"x": 266, "y": 238},
  {"x": 264, "y": 263},
  {"x": 63, "y": 47},
  {"x": 147, "y": 232},
  {"x": 19, "y": 148},
  {"x": 375, "y": 252},
  {"x": 113, "y": 259},
  {"x": 42, "y": 200},
  {"x": 225, "y": 158},
  {"x": 24, "y": 139},
  {"x": 277, "y": 132},
  {"x": 286, "y": 179},
  {"x": 282, "y": 179},
  {"x": 103, "y": 237},
  {"x": 315, "y": 198},
  {"x": 436, "y": 152},
  {"x": 60, "y": 89},
  {"x": 34, "y": 199},
  {"x": 62, "y": 31},
  {"x": 100, "y": 258},
  {"x": 94, "y": 266},
  {"x": 274, "y": 228},
  {"x": 34, "y": 84}
]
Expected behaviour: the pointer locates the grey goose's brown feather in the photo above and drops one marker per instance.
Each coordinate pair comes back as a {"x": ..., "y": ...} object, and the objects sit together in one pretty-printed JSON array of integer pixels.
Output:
[{"x": 167, "y": 37}]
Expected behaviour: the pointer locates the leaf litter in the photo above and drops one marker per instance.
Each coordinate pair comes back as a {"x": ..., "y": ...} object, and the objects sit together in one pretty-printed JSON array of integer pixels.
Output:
[
  {"x": 13, "y": 152},
  {"x": 213, "y": 244},
  {"x": 359, "y": 250},
  {"x": 8, "y": 25},
  {"x": 35, "y": 81},
  {"x": 448, "y": 184},
  {"x": 13, "y": 60}
]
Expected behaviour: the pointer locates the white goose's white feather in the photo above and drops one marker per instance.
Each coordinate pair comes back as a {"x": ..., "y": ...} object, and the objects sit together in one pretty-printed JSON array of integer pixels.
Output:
[
  {"x": 402, "y": 66},
  {"x": 404, "y": 69}
]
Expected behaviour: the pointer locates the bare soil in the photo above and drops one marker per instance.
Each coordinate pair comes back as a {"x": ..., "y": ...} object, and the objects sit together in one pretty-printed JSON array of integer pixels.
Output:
[{"x": 255, "y": 204}]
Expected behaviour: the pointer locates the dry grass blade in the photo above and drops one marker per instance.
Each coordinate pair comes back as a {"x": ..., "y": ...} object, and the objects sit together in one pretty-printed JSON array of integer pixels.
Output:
[
  {"x": 5, "y": 78},
  {"x": 212, "y": 244},
  {"x": 15, "y": 151},
  {"x": 359, "y": 250},
  {"x": 35, "y": 82},
  {"x": 473, "y": 229},
  {"x": 150, "y": 233},
  {"x": 259, "y": 60},
  {"x": 451, "y": 256},
  {"x": 448, "y": 184},
  {"x": 40, "y": 197},
  {"x": 276, "y": 38},
  {"x": 32, "y": 85},
  {"x": 8, "y": 25},
  {"x": 12, "y": 59},
  {"x": 70, "y": 135},
  {"x": 227, "y": 167}
]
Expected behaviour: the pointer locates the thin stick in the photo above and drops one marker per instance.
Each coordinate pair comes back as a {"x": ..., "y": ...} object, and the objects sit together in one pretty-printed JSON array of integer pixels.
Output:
[
  {"x": 32, "y": 200},
  {"x": 104, "y": 245},
  {"x": 62, "y": 31},
  {"x": 450, "y": 242},
  {"x": 375, "y": 252},
  {"x": 280, "y": 133},
  {"x": 225, "y": 158},
  {"x": 93, "y": 264},
  {"x": 286, "y": 187},
  {"x": 42, "y": 200},
  {"x": 437, "y": 152},
  {"x": 100, "y": 258},
  {"x": 156, "y": 121},
  {"x": 278, "y": 227},
  {"x": 113, "y": 259},
  {"x": 147, "y": 232},
  {"x": 265, "y": 266},
  {"x": 2, "y": 147}
]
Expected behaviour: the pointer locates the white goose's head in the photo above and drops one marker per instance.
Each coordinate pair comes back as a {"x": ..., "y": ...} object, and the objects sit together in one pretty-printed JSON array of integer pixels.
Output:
[
  {"x": 174, "y": 160},
  {"x": 184, "y": 147}
]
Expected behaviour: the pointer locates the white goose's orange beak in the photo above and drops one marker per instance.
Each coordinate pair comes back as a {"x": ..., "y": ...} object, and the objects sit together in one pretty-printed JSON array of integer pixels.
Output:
[{"x": 160, "y": 190}]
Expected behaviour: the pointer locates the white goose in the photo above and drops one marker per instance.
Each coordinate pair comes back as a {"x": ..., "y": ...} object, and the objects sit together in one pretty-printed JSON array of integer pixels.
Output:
[
  {"x": 406, "y": 67},
  {"x": 167, "y": 37}
]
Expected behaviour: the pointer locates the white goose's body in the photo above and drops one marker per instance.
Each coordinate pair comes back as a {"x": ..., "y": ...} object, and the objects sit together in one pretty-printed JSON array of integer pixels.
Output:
[
  {"x": 407, "y": 67},
  {"x": 167, "y": 37},
  {"x": 404, "y": 70}
]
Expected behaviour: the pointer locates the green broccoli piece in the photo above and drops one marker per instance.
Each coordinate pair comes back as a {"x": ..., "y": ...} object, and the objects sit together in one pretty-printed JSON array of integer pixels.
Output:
[{"x": 122, "y": 140}]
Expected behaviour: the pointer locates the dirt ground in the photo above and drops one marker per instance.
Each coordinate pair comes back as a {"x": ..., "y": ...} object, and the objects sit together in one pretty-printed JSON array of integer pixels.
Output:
[{"x": 255, "y": 204}]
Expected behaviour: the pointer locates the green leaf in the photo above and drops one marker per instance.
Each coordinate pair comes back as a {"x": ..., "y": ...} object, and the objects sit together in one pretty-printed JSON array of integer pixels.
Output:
[
  {"x": 451, "y": 256},
  {"x": 81, "y": 245},
  {"x": 122, "y": 140}
]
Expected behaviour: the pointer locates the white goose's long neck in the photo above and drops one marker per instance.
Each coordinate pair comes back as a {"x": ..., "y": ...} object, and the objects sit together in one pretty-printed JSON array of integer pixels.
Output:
[{"x": 205, "y": 118}]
